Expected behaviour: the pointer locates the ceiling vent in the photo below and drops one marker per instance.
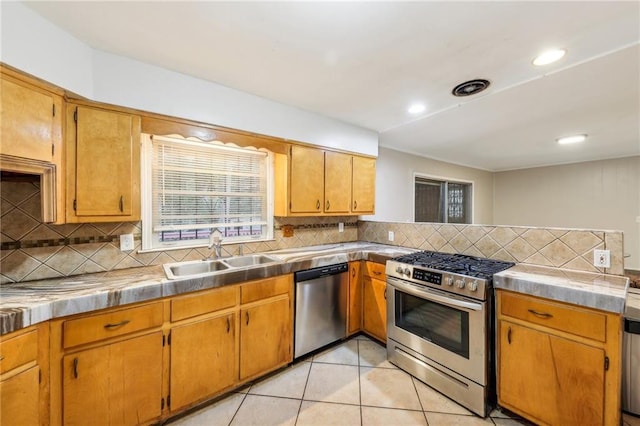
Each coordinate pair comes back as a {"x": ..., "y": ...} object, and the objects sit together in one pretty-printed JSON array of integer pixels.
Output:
[{"x": 470, "y": 87}]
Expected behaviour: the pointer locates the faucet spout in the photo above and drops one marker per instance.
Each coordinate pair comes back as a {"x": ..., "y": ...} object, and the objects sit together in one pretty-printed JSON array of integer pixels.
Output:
[{"x": 215, "y": 242}]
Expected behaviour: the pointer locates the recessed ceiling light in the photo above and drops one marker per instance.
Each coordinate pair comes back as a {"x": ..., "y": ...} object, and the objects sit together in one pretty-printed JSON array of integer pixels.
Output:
[
  {"x": 416, "y": 108},
  {"x": 572, "y": 139},
  {"x": 548, "y": 57}
]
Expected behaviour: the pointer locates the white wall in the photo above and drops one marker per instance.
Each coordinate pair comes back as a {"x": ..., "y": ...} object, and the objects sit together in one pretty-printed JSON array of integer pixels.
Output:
[
  {"x": 36, "y": 46},
  {"x": 394, "y": 185},
  {"x": 593, "y": 195}
]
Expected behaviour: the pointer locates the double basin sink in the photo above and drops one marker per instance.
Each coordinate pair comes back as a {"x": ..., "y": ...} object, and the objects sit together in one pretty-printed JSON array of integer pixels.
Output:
[{"x": 208, "y": 267}]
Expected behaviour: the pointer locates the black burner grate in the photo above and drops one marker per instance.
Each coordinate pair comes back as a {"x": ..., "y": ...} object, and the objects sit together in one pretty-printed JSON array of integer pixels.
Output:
[{"x": 477, "y": 267}]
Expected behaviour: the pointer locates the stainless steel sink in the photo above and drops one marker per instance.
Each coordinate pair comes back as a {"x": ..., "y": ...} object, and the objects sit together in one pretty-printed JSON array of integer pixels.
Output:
[
  {"x": 203, "y": 268},
  {"x": 249, "y": 260},
  {"x": 194, "y": 268}
]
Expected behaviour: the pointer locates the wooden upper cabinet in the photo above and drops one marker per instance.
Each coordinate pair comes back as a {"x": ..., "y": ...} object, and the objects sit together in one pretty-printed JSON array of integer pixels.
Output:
[
  {"x": 316, "y": 182},
  {"x": 364, "y": 185},
  {"x": 103, "y": 173},
  {"x": 337, "y": 182},
  {"x": 306, "y": 180},
  {"x": 30, "y": 121}
]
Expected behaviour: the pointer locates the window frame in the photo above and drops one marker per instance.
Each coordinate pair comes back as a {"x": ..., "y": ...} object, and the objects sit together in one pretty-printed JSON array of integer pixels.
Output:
[
  {"x": 446, "y": 181},
  {"x": 150, "y": 240}
]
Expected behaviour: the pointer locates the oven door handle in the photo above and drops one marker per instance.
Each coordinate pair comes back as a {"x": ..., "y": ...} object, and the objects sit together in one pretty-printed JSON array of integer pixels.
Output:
[{"x": 426, "y": 293}]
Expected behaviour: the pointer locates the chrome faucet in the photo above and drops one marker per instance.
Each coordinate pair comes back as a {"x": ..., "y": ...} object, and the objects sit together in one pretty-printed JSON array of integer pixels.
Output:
[{"x": 215, "y": 241}]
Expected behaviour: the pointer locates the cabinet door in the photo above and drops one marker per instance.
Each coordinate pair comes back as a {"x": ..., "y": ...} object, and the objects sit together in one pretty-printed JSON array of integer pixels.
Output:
[
  {"x": 30, "y": 121},
  {"x": 355, "y": 298},
  {"x": 116, "y": 384},
  {"x": 337, "y": 182},
  {"x": 107, "y": 165},
  {"x": 552, "y": 379},
  {"x": 307, "y": 180},
  {"x": 265, "y": 337},
  {"x": 374, "y": 302},
  {"x": 202, "y": 359},
  {"x": 19, "y": 399},
  {"x": 364, "y": 185}
]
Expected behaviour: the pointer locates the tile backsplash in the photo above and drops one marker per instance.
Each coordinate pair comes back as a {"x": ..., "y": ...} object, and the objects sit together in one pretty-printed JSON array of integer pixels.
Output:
[
  {"x": 555, "y": 247},
  {"x": 33, "y": 250}
]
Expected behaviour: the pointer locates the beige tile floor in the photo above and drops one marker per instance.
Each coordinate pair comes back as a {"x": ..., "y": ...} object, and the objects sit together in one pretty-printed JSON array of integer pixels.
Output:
[{"x": 348, "y": 384}]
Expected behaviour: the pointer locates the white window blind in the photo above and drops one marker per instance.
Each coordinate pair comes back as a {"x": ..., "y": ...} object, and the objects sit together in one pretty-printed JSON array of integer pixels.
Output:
[{"x": 197, "y": 187}]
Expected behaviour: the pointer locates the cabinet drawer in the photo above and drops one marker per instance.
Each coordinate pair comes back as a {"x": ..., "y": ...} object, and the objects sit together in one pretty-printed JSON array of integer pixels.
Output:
[
  {"x": 263, "y": 289},
  {"x": 567, "y": 318},
  {"x": 19, "y": 350},
  {"x": 204, "y": 303},
  {"x": 375, "y": 270},
  {"x": 111, "y": 324}
]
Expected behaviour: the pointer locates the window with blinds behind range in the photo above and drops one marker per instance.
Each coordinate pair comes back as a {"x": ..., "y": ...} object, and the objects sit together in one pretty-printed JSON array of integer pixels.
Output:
[
  {"x": 197, "y": 187},
  {"x": 442, "y": 201}
]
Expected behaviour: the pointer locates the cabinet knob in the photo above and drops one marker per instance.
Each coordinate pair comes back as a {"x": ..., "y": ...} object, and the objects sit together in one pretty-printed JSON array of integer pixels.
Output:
[
  {"x": 247, "y": 317},
  {"x": 328, "y": 205},
  {"x": 121, "y": 203},
  {"x": 509, "y": 335},
  {"x": 355, "y": 205},
  {"x": 228, "y": 325},
  {"x": 318, "y": 204}
]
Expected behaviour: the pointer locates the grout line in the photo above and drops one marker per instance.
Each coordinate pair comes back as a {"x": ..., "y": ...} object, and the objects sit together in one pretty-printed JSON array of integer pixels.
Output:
[{"x": 359, "y": 382}]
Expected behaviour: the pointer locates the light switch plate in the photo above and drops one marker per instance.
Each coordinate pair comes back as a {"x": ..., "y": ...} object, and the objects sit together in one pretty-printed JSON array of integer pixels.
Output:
[
  {"x": 126, "y": 242},
  {"x": 391, "y": 236},
  {"x": 340, "y": 227}
]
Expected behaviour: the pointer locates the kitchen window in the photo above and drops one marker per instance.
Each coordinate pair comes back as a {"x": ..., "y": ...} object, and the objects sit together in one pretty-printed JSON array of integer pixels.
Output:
[
  {"x": 192, "y": 187},
  {"x": 442, "y": 201}
]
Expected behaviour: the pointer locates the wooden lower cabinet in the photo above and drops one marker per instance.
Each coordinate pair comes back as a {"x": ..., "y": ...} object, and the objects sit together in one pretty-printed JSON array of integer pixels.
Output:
[
  {"x": 23, "y": 362},
  {"x": 354, "y": 319},
  {"x": 558, "y": 364},
  {"x": 203, "y": 359},
  {"x": 265, "y": 337},
  {"x": 19, "y": 399},
  {"x": 374, "y": 301},
  {"x": 115, "y": 384}
]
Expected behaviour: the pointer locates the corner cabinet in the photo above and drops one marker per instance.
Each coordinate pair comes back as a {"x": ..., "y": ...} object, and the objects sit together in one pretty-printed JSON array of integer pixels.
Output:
[
  {"x": 558, "y": 364},
  {"x": 316, "y": 182},
  {"x": 103, "y": 165},
  {"x": 354, "y": 319},
  {"x": 374, "y": 300}
]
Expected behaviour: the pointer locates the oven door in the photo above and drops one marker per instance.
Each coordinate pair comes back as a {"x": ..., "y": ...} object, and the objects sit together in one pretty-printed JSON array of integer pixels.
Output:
[{"x": 445, "y": 328}]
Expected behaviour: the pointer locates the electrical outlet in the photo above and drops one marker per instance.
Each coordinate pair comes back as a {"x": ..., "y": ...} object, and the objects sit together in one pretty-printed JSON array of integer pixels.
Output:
[
  {"x": 126, "y": 242},
  {"x": 391, "y": 236},
  {"x": 602, "y": 258},
  {"x": 340, "y": 227}
]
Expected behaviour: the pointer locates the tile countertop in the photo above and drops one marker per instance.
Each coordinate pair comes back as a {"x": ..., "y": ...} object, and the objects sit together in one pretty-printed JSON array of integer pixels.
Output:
[
  {"x": 599, "y": 291},
  {"x": 27, "y": 303},
  {"x": 632, "y": 310}
]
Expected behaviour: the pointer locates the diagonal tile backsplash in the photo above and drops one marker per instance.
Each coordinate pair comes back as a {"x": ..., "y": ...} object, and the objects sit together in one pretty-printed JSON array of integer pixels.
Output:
[
  {"x": 555, "y": 247},
  {"x": 33, "y": 250}
]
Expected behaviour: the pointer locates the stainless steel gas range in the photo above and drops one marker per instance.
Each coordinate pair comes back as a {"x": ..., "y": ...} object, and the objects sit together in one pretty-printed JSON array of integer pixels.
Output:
[{"x": 440, "y": 325}]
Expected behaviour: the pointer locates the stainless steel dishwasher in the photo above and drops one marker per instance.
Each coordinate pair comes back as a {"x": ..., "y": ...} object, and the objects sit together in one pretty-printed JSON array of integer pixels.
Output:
[{"x": 321, "y": 307}]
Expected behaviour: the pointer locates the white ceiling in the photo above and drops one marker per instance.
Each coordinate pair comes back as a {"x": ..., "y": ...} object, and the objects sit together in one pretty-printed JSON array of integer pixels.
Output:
[{"x": 365, "y": 62}]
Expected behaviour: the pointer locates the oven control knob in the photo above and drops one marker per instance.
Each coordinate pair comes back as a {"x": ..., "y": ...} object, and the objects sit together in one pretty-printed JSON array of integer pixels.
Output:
[
  {"x": 473, "y": 286},
  {"x": 399, "y": 269},
  {"x": 449, "y": 280},
  {"x": 460, "y": 283},
  {"x": 407, "y": 272}
]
